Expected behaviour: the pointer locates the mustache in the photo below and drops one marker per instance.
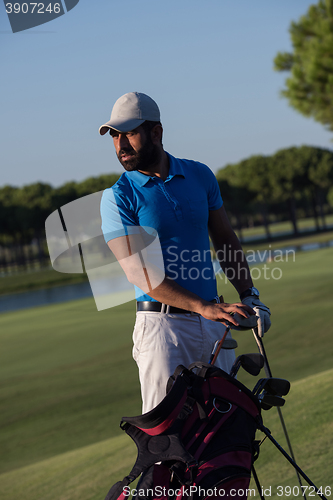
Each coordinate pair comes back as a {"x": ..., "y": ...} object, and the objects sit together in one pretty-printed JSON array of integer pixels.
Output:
[{"x": 126, "y": 151}]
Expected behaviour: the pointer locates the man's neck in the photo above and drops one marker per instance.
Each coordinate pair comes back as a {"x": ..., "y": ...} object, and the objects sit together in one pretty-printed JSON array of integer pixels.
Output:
[{"x": 159, "y": 169}]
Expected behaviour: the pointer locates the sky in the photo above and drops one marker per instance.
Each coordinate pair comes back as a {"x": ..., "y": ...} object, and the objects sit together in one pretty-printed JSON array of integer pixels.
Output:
[{"x": 208, "y": 64}]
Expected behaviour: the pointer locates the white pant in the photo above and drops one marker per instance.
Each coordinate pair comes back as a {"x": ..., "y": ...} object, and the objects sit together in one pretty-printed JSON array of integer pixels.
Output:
[{"x": 164, "y": 341}]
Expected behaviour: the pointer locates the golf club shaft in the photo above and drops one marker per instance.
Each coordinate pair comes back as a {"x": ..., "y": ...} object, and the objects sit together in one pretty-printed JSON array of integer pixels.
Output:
[
  {"x": 268, "y": 372},
  {"x": 234, "y": 369},
  {"x": 218, "y": 347}
]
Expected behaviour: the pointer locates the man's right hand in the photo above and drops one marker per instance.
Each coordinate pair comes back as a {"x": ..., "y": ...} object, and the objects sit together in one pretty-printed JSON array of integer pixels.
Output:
[{"x": 223, "y": 312}]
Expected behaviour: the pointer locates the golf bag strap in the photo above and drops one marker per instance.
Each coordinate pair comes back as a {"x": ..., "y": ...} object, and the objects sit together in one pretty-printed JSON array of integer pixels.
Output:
[
  {"x": 204, "y": 369},
  {"x": 160, "y": 418},
  {"x": 160, "y": 448},
  {"x": 118, "y": 490},
  {"x": 178, "y": 371},
  {"x": 195, "y": 382}
]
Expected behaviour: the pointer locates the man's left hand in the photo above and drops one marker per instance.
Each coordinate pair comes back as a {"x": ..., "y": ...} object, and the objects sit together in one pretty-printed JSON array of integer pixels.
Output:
[{"x": 262, "y": 312}]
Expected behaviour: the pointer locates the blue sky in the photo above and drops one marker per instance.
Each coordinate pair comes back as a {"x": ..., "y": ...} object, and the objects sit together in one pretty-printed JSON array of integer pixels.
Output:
[{"x": 208, "y": 64}]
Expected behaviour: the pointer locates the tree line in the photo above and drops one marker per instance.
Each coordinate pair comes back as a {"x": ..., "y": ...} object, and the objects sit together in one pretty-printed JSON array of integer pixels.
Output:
[
  {"x": 258, "y": 190},
  {"x": 292, "y": 182},
  {"x": 23, "y": 211}
]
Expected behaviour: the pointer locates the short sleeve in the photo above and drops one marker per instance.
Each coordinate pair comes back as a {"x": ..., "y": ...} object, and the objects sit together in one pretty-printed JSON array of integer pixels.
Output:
[
  {"x": 213, "y": 189},
  {"x": 117, "y": 217}
]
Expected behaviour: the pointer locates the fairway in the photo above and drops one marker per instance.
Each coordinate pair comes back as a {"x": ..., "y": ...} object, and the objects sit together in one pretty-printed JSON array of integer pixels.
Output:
[
  {"x": 89, "y": 472},
  {"x": 67, "y": 377}
]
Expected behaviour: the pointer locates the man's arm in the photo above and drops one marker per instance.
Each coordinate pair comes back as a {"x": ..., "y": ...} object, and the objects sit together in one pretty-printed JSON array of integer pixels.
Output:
[
  {"x": 233, "y": 262},
  {"x": 228, "y": 250},
  {"x": 127, "y": 250}
]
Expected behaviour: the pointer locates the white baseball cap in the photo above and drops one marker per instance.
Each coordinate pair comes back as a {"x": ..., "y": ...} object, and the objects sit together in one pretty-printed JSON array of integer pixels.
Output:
[{"x": 130, "y": 111}]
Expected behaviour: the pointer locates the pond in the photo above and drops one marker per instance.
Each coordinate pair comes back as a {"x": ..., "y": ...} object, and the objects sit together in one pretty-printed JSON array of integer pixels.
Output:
[{"x": 44, "y": 296}]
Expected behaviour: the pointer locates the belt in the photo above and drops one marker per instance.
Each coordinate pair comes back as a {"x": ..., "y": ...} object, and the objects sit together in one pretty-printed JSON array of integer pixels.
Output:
[{"x": 148, "y": 305}]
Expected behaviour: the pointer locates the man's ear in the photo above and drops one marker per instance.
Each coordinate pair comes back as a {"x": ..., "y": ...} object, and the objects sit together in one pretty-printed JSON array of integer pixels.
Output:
[{"x": 156, "y": 134}]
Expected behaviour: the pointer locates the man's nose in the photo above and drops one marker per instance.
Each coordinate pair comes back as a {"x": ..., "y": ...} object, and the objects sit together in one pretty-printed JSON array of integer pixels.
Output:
[{"x": 123, "y": 141}]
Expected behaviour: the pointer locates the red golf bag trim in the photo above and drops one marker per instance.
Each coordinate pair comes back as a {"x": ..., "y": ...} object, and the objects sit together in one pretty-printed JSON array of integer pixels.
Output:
[{"x": 201, "y": 434}]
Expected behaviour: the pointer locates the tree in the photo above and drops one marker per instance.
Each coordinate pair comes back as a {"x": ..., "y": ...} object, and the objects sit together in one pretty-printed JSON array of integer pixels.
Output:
[
  {"x": 330, "y": 197},
  {"x": 288, "y": 180},
  {"x": 254, "y": 174},
  {"x": 309, "y": 89},
  {"x": 33, "y": 206},
  {"x": 9, "y": 224},
  {"x": 318, "y": 164},
  {"x": 23, "y": 212},
  {"x": 251, "y": 185},
  {"x": 95, "y": 184},
  {"x": 291, "y": 176},
  {"x": 235, "y": 195},
  {"x": 62, "y": 195}
]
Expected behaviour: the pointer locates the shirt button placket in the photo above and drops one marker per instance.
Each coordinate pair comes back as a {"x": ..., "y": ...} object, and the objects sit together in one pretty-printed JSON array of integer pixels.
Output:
[{"x": 174, "y": 203}]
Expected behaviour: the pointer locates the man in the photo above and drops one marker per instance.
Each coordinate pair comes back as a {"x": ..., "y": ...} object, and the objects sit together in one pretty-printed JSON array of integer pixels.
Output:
[{"x": 181, "y": 318}]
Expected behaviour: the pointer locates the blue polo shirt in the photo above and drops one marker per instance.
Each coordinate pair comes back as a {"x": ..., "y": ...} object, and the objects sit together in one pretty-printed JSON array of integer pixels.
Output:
[{"x": 178, "y": 210}]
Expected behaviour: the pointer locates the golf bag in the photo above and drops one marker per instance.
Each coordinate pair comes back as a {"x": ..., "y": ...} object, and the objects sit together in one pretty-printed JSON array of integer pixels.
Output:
[{"x": 199, "y": 442}]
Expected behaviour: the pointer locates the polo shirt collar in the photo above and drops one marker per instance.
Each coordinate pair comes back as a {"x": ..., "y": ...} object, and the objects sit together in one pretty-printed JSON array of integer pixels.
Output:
[
  {"x": 138, "y": 178},
  {"x": 175, "y": 168}
]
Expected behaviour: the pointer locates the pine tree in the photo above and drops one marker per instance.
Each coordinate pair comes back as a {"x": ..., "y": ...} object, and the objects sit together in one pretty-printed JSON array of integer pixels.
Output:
[{"x": 309, "y": 89}]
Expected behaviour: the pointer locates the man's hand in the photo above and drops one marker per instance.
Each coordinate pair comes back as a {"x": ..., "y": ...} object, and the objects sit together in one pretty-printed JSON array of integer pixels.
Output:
[
  {"x": 262, "y": 312},
  {"x": 224, "y": 312}
]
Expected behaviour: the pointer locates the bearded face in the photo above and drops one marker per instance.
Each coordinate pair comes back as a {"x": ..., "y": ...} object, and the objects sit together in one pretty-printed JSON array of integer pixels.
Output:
[{"x": 137, "y": 151}]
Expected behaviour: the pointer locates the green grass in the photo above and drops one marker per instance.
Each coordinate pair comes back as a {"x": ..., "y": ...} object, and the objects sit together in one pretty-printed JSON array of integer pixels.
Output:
[
  {"x": 88, "y": 472},
  {"x": 67, "y": 377},
  {"x": 321, "y": 238},
  {"x": 308, "y": 416},
  {"x": 299, "y": 342},
  {"x": 285, "y": 227}
]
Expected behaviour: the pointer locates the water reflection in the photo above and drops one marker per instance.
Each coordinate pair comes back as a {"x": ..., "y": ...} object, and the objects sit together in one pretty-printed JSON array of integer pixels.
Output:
[{"x": 45, "y": 296}]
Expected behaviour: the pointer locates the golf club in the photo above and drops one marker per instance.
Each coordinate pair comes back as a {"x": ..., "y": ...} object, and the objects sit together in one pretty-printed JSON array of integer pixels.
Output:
[
  {"x": 267, "y": 401},
  {"x": 274, "y": 386},
  {"x": 251, "y": 363},
  {"x": 243, "y": 323},
  {"x": 218, "y": 346}
]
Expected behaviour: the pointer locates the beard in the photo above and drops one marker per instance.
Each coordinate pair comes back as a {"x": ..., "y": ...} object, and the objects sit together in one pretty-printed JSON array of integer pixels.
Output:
[{"x": 144, "y": 159}]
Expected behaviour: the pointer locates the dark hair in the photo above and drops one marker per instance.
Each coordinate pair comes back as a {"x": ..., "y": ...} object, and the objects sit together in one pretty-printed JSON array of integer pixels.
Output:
[{"x": 148, "y": 125}]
